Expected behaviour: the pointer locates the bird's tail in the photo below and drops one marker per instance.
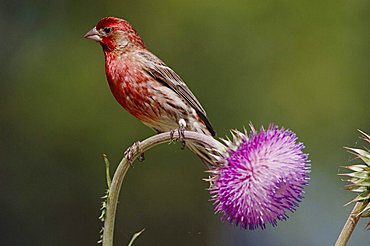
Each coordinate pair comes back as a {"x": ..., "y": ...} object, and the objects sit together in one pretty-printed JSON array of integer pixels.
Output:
[
  {"x": 203, "y": 153},
  {"x": 206, "y": 155}
]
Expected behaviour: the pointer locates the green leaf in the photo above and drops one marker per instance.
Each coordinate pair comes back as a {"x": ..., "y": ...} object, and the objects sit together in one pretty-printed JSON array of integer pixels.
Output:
[
  {"x": 135, "y": 236},
  {"x": 107, "y": 171}
]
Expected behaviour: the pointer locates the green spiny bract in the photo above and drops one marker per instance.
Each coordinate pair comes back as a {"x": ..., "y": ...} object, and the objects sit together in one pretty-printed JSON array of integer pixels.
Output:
[{"x": 359, "y": 177}]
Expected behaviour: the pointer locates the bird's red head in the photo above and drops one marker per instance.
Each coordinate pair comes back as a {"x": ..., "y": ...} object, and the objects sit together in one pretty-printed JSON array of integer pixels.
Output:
[{"x": 115, "y": 34}]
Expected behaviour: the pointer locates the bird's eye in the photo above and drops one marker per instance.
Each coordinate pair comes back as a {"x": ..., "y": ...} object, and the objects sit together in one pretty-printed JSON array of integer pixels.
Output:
[{"x": 107, "y": 30}]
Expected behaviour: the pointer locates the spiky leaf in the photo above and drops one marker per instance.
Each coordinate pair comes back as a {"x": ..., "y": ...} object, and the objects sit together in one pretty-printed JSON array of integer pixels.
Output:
[{"x": 359, "y": 177}]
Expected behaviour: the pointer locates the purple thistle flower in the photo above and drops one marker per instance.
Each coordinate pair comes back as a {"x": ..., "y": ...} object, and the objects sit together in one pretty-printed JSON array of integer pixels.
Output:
[{"x": 262, "y": 176}]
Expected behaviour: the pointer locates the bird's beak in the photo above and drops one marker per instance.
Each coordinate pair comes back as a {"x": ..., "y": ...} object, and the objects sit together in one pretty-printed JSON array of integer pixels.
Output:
[{"x": 93, "y": 34}]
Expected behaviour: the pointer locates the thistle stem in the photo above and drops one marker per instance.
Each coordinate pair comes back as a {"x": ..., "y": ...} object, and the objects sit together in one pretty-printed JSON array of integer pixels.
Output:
[
  {"x": 124, "y": 165},
  {"x": 350, "y": 224}
]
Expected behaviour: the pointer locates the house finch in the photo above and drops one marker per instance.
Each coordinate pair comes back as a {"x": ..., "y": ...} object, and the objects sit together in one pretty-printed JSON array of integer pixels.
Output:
[{"x": 145, "y": 86}]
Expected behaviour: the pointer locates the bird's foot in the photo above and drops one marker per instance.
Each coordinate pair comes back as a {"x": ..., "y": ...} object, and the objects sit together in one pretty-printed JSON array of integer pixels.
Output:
[
  {"x": 172, "y": 133},
  {"x": 180, "y": 132},
  {"x": 131, "y": 150}
]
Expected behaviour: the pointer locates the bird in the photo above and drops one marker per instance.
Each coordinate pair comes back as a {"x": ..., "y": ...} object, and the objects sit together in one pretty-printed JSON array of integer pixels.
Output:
[{"x": 146, "y": 87}]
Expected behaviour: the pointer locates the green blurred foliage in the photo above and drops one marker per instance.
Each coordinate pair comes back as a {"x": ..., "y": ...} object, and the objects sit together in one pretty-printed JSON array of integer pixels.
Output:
[{"x": 301, "y": 64}]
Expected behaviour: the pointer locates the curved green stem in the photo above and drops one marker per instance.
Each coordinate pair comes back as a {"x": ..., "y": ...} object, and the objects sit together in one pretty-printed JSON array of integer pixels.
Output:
[{"x": 124, "y": 165}]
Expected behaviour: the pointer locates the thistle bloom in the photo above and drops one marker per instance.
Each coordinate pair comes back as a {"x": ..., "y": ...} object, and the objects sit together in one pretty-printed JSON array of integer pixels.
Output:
[{"x": 261, "y": 177}]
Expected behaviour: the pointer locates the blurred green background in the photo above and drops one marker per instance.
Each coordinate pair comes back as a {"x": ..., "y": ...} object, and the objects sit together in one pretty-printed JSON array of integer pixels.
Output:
[{"x": 303, "y": 65}]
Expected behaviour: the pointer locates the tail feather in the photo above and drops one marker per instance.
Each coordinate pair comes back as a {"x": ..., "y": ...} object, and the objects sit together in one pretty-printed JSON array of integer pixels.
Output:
[{"x": 201, "y": 151}]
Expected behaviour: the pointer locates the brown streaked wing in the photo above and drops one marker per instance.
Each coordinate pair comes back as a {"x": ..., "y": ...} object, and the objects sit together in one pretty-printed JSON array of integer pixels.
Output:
[{"x": 161, "y": 72}]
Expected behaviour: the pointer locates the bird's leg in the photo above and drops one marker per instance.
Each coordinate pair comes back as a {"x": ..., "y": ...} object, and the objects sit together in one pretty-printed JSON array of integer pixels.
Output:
[
  {"x": 181, "y": 130},
  {"x": 130, "y": 151},
  {"x": 172, "y": 132}
]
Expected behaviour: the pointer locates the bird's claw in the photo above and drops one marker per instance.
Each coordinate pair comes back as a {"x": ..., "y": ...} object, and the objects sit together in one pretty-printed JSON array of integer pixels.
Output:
[
  {"x": 141, "y": 157},
  {"x": 131, "y": 150},
  {"x": 180, "y": 133},
  {"x": 172, "y": 133}
]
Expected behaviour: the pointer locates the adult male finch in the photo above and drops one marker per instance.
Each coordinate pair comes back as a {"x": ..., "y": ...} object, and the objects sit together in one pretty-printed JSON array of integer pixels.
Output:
[{"x": 145, "y": 86}]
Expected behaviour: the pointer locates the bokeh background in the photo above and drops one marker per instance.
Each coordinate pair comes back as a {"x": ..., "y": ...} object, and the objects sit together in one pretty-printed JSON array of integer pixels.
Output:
[{"x": 303, "y": 65}]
